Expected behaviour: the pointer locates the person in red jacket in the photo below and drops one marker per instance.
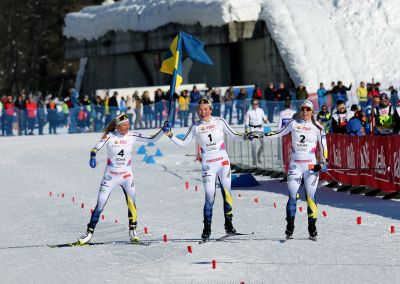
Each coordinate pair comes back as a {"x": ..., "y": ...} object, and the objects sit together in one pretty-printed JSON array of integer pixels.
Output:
[
  {"x": 9, "y": 112},
  {"x": 31, "y": 109}
]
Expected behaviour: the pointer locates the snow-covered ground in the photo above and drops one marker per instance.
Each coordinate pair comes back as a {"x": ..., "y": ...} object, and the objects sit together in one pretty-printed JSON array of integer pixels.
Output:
[
  {"x": 31, "y": 167},
  {"x": 319, "y": 40}
]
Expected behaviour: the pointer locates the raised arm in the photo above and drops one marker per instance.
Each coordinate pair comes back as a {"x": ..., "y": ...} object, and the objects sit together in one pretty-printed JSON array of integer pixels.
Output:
[
  {"x": 281, "y": 132},
  {"x": 154, "y": 138},
  {"x": 185, "y": 140},
  {"x": 231, "y": 133}
]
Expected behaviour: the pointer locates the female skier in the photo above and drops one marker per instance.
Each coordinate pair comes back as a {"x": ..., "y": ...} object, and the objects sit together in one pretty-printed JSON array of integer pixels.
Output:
[
  {"x": 118, "y": 171},
  {"x": 209, "y": 134},
  {"x": 306, "y": 133}
]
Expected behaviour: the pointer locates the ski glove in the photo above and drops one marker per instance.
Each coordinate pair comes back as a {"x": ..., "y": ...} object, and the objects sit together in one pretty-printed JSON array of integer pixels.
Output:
[
  {"x": 252, "y": 135},
  {"x": 167, "y": 128},
  {"x": 92, "y": 161},
  {"x": 324, "y": 167}
]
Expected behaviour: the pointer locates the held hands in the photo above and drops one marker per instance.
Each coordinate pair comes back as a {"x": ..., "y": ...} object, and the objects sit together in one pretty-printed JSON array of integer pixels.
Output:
[
  {"x": 253, "y": 135},
  {"x": 166, "y": 128},
  {"x": 92, "y": 161}
]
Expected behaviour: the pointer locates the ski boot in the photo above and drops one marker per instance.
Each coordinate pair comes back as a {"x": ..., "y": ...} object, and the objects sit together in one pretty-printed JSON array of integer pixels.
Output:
[
  {"x": 312, "y": 229},
  {"x": 229, "y": 229},
  {"x": 289, "y": 227},
  {"x": 86, "y": 237},
  {"x": 206, "y": 231},
  {"x": 133, "y": 235}
]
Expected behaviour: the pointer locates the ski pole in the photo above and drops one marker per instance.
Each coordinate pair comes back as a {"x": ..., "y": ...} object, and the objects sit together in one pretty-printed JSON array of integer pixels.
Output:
[{"x": 334, "y": 179}]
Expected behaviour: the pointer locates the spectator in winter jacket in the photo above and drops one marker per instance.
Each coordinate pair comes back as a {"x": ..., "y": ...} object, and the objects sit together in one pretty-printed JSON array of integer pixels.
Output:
[
  {"x": 301, "y": 92},
  {"x": 183, "y": 102},
  {"x": 159, "y": 107},
  {"x": 341, "y": 91},
  {"x": 362, "y": 95},
  {"x": 241, "y": 105},
  {"x": 20, "y": 107},
  {"x": 393, "y": 96},
  {"x": 52, "y": 116},
  {"x": 356, "y": 124},
  {"x": 9, "y": 115},
  {"x": 31, "y": 109},
  {"x": 322, "y": 95},
  {"x": 282, "y": 94},
  {"x": 195, "y": 96},
  {"x": 216, "y": 100},
  {"x": 41, "y": 113},
  {"x": 384, "y": 116},
  {"x": 325, "y": 118},
  {"x": 113, "y": 104},
  {"x": 147, "y": 109},
  {"x": 340, "y": 118},
  {"x": 269, "y": 97},
  {"x": 257, "y": 93},
  {"x": 332, "y": 93},
  {"x": 229, "y": 98}
]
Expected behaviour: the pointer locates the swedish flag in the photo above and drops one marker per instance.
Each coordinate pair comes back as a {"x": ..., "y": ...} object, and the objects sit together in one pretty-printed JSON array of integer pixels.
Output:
[{"x": 173, "y": 63}]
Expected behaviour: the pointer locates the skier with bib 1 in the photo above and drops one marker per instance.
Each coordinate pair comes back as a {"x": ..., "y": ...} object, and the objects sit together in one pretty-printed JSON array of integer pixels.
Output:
[
  {"x": 306, "y": 133},
  {"x": 119, "y": 143},
  {"x": 208, "y": 132}
]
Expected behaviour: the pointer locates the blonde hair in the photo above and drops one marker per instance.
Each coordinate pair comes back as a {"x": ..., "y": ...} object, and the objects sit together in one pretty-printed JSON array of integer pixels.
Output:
[{"x": 109, "y": 128}]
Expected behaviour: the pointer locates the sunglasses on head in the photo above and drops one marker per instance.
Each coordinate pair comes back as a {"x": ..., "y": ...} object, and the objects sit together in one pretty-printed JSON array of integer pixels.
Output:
[
  {"x": 255, "y": 104},
  {"x": 204, "y": 101},
  {"x": 122, "y": 117},
  {"x": 306, "y": 108}
]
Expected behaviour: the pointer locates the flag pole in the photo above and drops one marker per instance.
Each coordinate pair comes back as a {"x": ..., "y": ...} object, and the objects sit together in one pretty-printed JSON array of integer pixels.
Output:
[{"x": 173, "y": 80}]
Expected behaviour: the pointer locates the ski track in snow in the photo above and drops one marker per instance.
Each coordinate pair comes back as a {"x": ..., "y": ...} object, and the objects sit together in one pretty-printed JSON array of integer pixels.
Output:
[{"x": 34, "y": 166}]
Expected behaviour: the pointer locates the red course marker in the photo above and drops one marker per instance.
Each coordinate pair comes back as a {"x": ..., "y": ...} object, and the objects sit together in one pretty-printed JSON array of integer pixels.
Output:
[
  {"x": 83, "y": 205},
  {"x": 187, "y": 185},
  {"x": 165, "y": 238},
  {"x": 274, "y": 205},
  {"x": 359, "y": 220},
  {"x": 392, "y": 229},
  {"x": 50, "y": 193},
  {"x": 214, "y": 264},
  {"x": 146, "y": 231},
  {"x": 91, "y": 211},
  {"x": 256, "y": 200},
  {"x": 189, "y": 249},
  {"x": 102, "y": 217},
  {"x": 116, "y": 221},
  {"x": 324, "y": 213},
  {"x": 73, "y": 199},
  {"x": 62, "y": 195}
]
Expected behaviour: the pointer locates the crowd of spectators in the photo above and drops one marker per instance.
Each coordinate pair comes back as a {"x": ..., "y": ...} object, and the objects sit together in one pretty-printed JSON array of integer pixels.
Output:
[{"x": 375, "y": 111}]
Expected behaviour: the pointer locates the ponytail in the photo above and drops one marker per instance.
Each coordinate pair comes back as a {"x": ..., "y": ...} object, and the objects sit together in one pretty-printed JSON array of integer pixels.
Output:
[
  {"x": 315, "y": 123},
  {"x": 109, "y": 128}
]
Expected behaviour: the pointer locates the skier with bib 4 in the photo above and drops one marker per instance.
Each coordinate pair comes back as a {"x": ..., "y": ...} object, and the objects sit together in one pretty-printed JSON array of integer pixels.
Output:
[{"x": 119, "y": 143}]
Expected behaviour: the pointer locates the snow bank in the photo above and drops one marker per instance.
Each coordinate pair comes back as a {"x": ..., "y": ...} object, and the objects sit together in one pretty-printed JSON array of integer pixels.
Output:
[{"x": 319, "y": 40}]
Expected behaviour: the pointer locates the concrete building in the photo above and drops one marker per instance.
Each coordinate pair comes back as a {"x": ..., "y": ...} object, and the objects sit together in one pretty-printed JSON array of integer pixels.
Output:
[{"x": 243, "y": 53}]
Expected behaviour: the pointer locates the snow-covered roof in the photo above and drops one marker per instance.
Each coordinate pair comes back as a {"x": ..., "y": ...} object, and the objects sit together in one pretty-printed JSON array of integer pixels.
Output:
[{"x": 319, "y": 40}]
